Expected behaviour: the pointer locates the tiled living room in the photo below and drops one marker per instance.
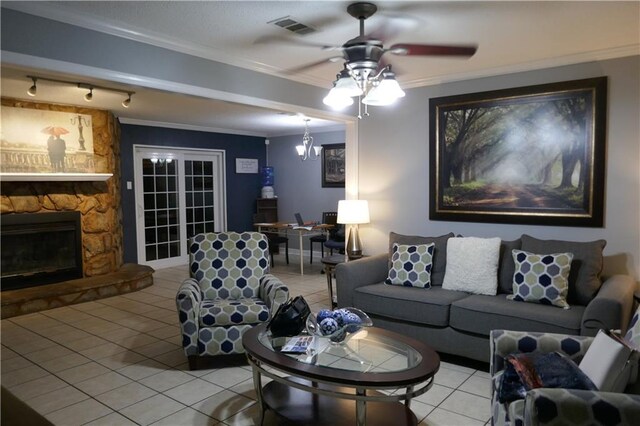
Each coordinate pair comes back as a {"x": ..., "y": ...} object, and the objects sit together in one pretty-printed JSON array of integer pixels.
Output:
[{"x": 119, "y": 361}]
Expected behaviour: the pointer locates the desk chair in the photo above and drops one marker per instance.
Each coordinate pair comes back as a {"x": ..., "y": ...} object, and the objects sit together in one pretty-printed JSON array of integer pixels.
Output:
[
  {"x": 336, "y": 239},
  {"x": 274, "y": 239},
  {"x": 328, "y": 218}
]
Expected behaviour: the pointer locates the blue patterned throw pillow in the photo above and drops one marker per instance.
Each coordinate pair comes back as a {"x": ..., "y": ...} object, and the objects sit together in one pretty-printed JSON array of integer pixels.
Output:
[
  {"x": 411, "y": 265},
  {"x": 541, "y": 278}
]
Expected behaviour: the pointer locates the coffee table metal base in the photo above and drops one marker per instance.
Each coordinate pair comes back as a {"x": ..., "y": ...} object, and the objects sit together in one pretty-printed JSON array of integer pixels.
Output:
[{"x": 300, "y": 407}]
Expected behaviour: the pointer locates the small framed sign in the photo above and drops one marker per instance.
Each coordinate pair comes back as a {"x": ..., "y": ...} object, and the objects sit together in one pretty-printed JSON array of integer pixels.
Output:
[{"x": 246, "y": 165}]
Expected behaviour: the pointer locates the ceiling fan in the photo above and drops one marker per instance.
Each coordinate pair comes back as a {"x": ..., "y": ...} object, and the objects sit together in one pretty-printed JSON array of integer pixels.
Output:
[{"x": 365, "y": 70}]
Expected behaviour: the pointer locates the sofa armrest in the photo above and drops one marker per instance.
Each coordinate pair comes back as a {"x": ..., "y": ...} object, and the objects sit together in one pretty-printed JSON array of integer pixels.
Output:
[
  {"x": 358, "y": 273},
  {"x": 273, "y": 292},
  {"x": 505, "y": 342},
  {"x": 188, "y": 304},
  {"x": 611, "y": 308},
  {"x": 554, "y": 406}
]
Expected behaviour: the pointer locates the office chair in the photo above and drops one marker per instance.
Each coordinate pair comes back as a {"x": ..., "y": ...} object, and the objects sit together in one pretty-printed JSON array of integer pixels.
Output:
[
  {"x": 274, "y": 239},
  {"x": 328, "y": 218}
]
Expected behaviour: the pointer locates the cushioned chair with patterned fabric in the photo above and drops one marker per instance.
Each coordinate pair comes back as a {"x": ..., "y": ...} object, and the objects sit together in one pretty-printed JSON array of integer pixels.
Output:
[
  {"x": 230, "y": 290},
  {"x": 544, "y": 406}
]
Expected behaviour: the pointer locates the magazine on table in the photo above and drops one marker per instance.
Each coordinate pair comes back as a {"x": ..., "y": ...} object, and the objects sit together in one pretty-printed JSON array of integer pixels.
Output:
[{"x": 298, "y": 345}]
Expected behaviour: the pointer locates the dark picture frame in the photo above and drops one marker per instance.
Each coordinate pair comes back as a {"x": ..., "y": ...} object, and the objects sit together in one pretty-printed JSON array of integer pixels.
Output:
[
  {"x": 333, "y": 165},
  {"x": 529, "y": 155}
]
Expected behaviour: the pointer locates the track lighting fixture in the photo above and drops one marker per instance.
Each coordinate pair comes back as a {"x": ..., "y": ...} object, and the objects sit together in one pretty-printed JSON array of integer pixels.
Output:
[
  {"x": 90, "y": 87},
  {"x": 33, "y": 89}
]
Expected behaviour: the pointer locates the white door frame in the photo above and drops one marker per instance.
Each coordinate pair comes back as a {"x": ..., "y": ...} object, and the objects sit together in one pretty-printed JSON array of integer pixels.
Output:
[{"x": 178, "y": 154}]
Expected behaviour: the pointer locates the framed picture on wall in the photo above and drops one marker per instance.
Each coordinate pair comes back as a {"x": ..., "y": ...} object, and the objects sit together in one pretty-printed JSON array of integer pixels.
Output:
[
  {"x": 529, "y": 155},
  {"x": 333, "y": 165}
]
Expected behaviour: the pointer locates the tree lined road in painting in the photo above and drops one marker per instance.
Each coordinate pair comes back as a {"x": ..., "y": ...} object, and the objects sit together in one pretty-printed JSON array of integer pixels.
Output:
[{"x": 530, "y": 154}]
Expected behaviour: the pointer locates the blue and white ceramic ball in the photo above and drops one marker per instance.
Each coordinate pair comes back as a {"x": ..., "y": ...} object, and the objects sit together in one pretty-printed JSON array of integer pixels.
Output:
[
  {"x": 339, "y": 315},
  {"x": 324, "y": 313},
  {"x": 352, "y": 321},
  {"x": 328, "y": 326}
]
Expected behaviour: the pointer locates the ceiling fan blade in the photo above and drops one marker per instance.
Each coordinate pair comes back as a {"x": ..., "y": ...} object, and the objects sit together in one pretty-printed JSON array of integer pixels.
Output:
[
  {"x": 273, "y": 39},
  {"x": 431, "y": 50},
  {"x": 393, "y": 24},
  {"x": 312, "y": 64}
]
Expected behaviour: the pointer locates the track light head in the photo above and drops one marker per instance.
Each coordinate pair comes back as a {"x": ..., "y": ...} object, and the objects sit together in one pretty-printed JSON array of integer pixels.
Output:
[
  {"x": 89, "y": 96},
  {"x": 33, "y": 89},
  {"x": 127, "y": 101}
]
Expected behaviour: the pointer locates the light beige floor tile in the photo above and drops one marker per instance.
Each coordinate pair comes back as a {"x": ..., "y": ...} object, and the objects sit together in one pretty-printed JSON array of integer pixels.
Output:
[
  {"x": 38, "y": 387},
  {"x": 22, "y": 375},
  {"x": 194, "y": 391},
  {"x": 116, "y": 336},
  {"x": 187, "y": 416},
  {"x": 172, "y": 358},
  {"x": 450, "y": 378},
  {"x": 228, "y": 377},
  {"x": 64, "y": 363},
  {"x": 137, "y": 340},
  {"x": 152, "y": 409},
  {"x": 435, "y": 395},
  {"x": 140, "y": 370},
  {"x": 6, "y": 353},
  {"x": 166, "y": 380},
  {"x": 52, "y": 352},
  {"x": 484, "y": 374},
  {"x": 126, "y": 395},
  {"x": 478, "y": 386},
  {"x": 102, "y": 383},
  {"x": 82, "y": 372},
  {"x": 421, "y": 410},
  {"x": 85, "y": 343},
  {"x": 121, "y": 359},
  {"x": 440, "y": 417},
  {"x": 14, "y": 363},
  {"x": 102, "y": 351},
  {"x": 469, "y": 405},
  {"x": 70, "y": 336},
  {"x": 56, "y": 400},
  {"x": 223, "y": 405},
  {"x": 461, "y": 368},
  {"x": 247, "y": 388},
  {"x": 113, "y": 419},
  {"x": 248, "y": 417},
  {"x": 32, "y": 345},
  {"x": 79, "y": 413},
  {"x": 165, "y": 332},
  {"x": 156, "y": 348}
]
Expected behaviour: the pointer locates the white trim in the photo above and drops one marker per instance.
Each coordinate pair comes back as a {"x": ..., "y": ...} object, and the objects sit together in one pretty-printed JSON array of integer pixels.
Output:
[
  {"x": 137, "y": 122},
  {"x": 54, "y": 177}
]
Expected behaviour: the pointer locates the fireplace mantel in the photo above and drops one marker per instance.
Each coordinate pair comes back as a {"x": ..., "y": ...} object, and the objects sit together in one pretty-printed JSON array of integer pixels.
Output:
[{"x": 53, "y": 177}]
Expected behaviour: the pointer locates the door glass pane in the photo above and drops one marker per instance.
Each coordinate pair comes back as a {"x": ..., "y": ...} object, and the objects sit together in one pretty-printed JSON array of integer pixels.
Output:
[
  {"x": 160, "y": 192},
  {"x": 199, "y": 195}
]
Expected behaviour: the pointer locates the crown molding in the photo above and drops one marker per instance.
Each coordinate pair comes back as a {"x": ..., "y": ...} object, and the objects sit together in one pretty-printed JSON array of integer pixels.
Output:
[{"x": 150, "y": 123}]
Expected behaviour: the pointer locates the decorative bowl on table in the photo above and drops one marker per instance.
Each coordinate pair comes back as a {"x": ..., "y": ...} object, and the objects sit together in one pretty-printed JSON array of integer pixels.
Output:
[{"x": 337, "y": 325}]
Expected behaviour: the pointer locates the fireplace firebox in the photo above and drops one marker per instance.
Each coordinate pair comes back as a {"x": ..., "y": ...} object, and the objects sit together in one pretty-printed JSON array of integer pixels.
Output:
[{"x": 40, "y": 248}]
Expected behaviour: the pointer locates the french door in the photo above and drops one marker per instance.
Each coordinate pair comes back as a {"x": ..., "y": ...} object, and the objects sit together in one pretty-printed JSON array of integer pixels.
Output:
[{"x": 179, "y": 193}]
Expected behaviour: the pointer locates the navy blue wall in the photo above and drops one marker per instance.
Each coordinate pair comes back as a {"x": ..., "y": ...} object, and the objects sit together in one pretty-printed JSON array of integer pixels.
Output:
[{"x": 242, "y": 189}]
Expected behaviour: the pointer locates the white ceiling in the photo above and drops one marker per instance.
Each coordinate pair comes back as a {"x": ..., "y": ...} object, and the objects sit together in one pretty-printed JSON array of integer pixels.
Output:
[{"x": 511, "y": 37}]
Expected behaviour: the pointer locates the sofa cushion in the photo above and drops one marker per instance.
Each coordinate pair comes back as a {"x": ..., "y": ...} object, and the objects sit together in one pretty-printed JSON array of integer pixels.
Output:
[
  {"x": 223, "y": 312},
  {"x": 417, "y": 305},
  {"x": 411, "y": 265},
  {"x": 507, "y": 267},
  {"x": 480, "y": 314},
  {"x": 439, "y": 253},
  {"x": 584, "y": 278},
  {"x": 541, "y": 278},
  {"x": 472, "y": 265}
]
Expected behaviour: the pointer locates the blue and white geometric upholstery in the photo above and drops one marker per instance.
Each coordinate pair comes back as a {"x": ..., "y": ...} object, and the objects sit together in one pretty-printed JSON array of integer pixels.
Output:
[
  {"x": 554, "y": 406},
  {"x": 230, "y": 291}
]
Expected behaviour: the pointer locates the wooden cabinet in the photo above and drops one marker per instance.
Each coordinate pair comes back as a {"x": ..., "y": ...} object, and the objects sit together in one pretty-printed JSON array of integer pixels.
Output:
[{"x": 267, "y": 209}]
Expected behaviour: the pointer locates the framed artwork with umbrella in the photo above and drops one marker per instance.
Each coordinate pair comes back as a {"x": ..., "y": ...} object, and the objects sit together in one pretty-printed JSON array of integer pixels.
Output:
[{"x": 41, "y": 141}]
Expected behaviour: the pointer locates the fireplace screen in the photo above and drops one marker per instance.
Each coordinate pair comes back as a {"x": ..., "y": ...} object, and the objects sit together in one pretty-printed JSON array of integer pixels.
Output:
[{"x": 40, "y": 249}]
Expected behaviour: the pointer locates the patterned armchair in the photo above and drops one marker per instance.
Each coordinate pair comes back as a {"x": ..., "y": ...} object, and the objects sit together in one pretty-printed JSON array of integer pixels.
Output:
[
  {"x": 546, "y": 406},
  {"x": 230, "y": 290}
]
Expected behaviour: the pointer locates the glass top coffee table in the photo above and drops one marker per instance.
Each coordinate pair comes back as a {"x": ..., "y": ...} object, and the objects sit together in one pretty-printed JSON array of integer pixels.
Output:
[{"x": 349, "y": 383}]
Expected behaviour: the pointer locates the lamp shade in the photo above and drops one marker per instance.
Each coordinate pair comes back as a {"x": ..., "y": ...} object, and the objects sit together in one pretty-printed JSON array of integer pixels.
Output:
[{"x": 353, "y": 211}]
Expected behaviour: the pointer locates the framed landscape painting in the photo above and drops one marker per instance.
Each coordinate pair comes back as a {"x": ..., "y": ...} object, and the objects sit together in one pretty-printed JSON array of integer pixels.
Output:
[
  {"x": 529, "y": 155},
  {"x": 333, "y": 165}
]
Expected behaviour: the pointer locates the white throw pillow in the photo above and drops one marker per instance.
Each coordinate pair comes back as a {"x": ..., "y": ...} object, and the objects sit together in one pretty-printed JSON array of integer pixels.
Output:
[{"x": 472, "y": 265}]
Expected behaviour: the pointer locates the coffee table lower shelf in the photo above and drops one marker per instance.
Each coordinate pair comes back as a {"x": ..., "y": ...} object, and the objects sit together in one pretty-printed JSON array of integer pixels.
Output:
[{"x": 299, "y": 407}]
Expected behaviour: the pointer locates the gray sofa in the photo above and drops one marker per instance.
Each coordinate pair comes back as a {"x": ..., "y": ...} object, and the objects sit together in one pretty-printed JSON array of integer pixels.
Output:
[{"x": 460, "y": 323}]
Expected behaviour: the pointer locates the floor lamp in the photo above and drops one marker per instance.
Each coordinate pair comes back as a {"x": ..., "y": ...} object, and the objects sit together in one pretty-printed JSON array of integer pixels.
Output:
[{"x": 353, "y": 212}]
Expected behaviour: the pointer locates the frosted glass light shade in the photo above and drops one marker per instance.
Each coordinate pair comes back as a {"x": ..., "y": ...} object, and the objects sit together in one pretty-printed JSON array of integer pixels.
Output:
[
  {"x": 353, "y": 211},
  {"x": 347, "y": 86},
  {"x": 300, "y": 150},
  {"x": 385, "y": 93}
]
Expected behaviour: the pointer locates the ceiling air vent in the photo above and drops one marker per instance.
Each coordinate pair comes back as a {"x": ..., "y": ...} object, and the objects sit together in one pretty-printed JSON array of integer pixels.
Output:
[{"x": 289, "y": 23}]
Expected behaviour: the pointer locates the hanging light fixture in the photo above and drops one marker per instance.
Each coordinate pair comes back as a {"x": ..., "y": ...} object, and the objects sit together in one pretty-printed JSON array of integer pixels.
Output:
[
  {"x": 307, "y": 150},
  {"x": 90, "y": 87}
]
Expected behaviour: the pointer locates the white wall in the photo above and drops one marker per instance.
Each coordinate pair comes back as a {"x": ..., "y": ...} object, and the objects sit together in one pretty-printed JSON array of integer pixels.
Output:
[{"x": 394, "y": 165}]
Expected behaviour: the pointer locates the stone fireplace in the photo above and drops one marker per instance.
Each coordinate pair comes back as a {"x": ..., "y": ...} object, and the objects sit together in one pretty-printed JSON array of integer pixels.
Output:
[{"x": 97, "y": 203}]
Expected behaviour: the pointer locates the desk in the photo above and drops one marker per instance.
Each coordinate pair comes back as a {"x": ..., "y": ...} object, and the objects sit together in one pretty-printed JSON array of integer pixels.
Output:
[{"x": 285, "y": 228}]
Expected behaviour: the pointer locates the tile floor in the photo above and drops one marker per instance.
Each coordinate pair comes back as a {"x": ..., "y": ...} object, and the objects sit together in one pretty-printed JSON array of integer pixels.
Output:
[{"x": 118, "y": 361}]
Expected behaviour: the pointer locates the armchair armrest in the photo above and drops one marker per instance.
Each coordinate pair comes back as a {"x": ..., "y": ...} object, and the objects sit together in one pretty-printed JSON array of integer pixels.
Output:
[
  {"x": 543, "y": 406},
  {"x": 188, "y": 304},
  {"x": 273, "y": 292},
  {"x": 357, "y": 273},
  {"x": 611, "y": 308}
]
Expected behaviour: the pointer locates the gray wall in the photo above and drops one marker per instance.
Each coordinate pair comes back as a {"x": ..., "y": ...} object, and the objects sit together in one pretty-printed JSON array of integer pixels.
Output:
[
  {"x": 298, "y": 184},
  {"x": 394, "y": 165}
]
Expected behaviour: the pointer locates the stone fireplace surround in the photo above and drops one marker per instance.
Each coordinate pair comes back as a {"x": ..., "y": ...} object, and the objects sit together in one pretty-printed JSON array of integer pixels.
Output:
[{"x": 101, "y": 219}]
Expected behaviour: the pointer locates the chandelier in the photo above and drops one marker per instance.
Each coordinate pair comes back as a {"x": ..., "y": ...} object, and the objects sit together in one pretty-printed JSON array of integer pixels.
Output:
[
  {"x": 307, "y": 151},
  {"x": 359, "y": 79}
]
